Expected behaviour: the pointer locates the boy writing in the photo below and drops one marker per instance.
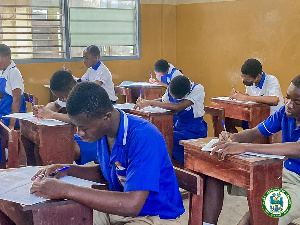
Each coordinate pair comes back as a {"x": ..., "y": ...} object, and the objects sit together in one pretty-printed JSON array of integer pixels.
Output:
[
  {"x": 185, "y": 99},
  {"x": 133, "y": 159}
]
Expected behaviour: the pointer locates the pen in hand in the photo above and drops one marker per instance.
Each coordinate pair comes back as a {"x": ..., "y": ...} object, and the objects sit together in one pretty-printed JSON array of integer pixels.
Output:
[
  {"x": 233, "y": 89},
  {"x": 57, "y": 171},
  {"x": 32, "y": 102},
  {"x": 225, "y": 129},
  {"x": 141, "y": 93}
]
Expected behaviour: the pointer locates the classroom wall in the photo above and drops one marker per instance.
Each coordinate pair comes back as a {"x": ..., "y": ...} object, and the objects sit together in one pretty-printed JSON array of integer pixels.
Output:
[{"x": 158, "y": 40}]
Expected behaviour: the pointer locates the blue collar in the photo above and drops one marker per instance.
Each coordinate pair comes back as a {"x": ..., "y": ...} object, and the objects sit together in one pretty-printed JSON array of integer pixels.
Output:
[
  {"x": 262, "y": 81},
  {"x": 123, "y": 129},
  {"x": 97, "y": 65}
]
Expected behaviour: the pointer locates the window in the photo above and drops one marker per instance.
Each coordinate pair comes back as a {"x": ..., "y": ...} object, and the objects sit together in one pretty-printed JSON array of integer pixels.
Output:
[{"x": 61, "y": 29}]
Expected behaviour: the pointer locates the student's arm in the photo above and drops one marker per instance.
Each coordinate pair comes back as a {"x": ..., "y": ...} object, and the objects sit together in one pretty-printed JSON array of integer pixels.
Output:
[
  {"x": 162, "y": 84},
  {"x": 15, "y": 107},
  {"x": 291, "y": 149},
  {"x": 47, "y": 113},
  {"x": 119, "y": 203},
  {"x": 271, "y": 100}
]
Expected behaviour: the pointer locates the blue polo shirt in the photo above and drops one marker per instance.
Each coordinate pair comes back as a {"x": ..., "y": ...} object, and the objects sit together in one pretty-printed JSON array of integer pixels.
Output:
[
  {"x": 280, "y": 121},
  {"x": 145, "y": 165}
]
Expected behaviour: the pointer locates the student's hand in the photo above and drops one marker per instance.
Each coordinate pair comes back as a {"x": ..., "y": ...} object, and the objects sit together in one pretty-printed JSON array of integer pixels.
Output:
[
  {"x": 239, "y": 96},
  {"x": 225, "y": 136},
  {"x": 50, "y": 188},
  {"x": 45, "y": 113},
  {"x": 35, "y": 109},
  {"x": 141, "y": 103},
  {"x": 49, "y": 171},
  {"x": 152, "y": 81},
  {"x": 66, "y": 69},
  {"x": 223, "y": 148}
]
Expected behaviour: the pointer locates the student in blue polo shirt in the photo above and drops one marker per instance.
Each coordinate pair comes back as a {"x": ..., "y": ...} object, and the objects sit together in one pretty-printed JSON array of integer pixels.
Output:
[
  {"x": 61, "y": 84},
  {"x": 165, "y": 72},
  {"x": 185, "y": 99},
  {"x": 133, "y": 159},
  {"x": 286, "y": 119},
  {"x": 12, "y": 98},
  {"x": 97, "y": 72},
  {"x": 260, "y": 88}
]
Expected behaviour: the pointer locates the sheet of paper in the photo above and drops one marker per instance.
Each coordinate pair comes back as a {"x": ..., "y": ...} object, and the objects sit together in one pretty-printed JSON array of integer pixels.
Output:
[
  {"x": 29, "y": 116},
  {"x": 154, "y": 109},
  {"x": 132, "y": 83},
  {"x": 233, "y": 100},
  {"x": 125, "y": 106},
  {"x": 15, "y": 185},
  {"x": 208, "y": 147}
]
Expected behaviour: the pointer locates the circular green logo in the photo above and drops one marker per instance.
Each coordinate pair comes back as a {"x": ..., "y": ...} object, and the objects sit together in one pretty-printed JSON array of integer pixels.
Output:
[{"x": 276, "y": 202}]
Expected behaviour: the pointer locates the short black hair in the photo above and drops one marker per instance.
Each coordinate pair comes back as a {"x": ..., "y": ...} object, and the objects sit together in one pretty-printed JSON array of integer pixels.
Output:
[
  {"x": 251, "y": 67},
  {"x": 93, "y": 49},
  {"x": 61, "y": 81},
  {"x": 161, "y": 66},
  {"x": 180, "y": 86},
  {"x": 89, "y": 98},
  {"x": 5, "y": 50},
  {"x": 296, "y": 81}
]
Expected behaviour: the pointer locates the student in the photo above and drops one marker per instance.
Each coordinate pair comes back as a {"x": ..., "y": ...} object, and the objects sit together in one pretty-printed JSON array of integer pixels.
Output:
[
  {"x": 185, "y": 99},
  {"x": 61, "y": 84},
  {"x": 133, "y": 159},
  {"x": 165, "y": 72},
  {"x": 97, "y": 72},
  {"x": 286, "y": 119},
  {"x": 260, "y": 87},
  {"x": 11, "y": 90}
]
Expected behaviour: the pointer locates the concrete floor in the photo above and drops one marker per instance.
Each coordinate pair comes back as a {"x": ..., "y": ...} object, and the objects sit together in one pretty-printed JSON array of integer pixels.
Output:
[{"x": 234, "y": 208}]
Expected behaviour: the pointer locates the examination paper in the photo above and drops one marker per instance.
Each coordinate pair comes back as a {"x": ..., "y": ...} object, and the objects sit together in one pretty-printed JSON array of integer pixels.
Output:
[
  {"x": 15, "y": 185},
  {"x": 208, "y": 147}
]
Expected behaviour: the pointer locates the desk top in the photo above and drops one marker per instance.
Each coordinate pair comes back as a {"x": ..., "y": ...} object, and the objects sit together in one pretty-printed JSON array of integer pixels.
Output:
[
  {"x": 194, "y": 146},
  {"x": 235, "y": 102}
]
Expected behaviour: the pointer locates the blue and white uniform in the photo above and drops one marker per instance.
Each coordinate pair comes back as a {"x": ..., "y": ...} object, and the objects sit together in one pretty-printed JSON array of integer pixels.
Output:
[
  {"x": 101, "y": 73},
  {"x": 172, "y": 72},
  {"x": 268, "y": 86},
  {"x": 189, "y": 123},
  {"x": 142, "y": 152},
  {"x": 291, "y": 172},
  {"x": 10, "y": 79}
]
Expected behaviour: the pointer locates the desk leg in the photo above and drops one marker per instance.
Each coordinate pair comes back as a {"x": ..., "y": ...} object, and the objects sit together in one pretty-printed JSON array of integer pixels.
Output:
[
  {"x": 29, "y": 147},
  {"x": 196, "y": 209},
  {"x": 4, "y": 220},
  {"x": 259, "y": 184}
]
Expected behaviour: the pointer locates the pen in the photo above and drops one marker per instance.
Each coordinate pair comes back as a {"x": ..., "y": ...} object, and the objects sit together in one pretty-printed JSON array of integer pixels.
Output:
[
  {"x": 233, "y": 89},
  {"x": 60, "y": 170},
  {"x": 225, "y": 127},
  {"x": 141, "y": 93},
  {"x": 32, "y": 102},
  {"x": 151, "y": 75}
]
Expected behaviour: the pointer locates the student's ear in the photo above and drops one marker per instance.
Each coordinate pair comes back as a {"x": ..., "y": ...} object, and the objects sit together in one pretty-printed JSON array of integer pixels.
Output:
[{"x": 107, "y": 116}]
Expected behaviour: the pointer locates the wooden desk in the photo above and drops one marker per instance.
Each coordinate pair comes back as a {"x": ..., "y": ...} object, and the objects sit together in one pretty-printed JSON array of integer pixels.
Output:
[
  {"x": 256, "y": 174},
  {"x": 148, "y": 92},
  {"x": 164, "y": 123},
  {"x": 254, "y": 113},
  {"x": 50, "y": 212},
  {"x": 55, "y": 143}
]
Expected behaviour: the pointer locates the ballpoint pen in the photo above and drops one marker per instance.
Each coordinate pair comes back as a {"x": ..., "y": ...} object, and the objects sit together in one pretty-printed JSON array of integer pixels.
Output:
[
  {"x": 52, "y": 174},
  {"x": 32, "y": 102},
  {"x": 151, "y": 75},
  {"x": 233, "y": 89},
  {"x": 141, "y": 93},
  {"x": 225, "y": 128}
]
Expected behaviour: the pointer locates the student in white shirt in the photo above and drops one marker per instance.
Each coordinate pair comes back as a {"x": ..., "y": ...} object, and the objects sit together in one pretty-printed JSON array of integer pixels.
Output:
[{"x": 97, "y": 72}]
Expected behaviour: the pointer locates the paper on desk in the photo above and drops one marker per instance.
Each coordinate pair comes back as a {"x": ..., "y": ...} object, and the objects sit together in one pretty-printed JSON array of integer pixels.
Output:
[
  {"x": 30, "y": 117},
  {"x": 131, "y": 83},
  {"x": 208, "y": 147},
  {"x": 233, "y": 100},
  {"x": 125, "y": 106},
  {"x": 153, "y": 109},
  {"x": 15, "y": 185}
]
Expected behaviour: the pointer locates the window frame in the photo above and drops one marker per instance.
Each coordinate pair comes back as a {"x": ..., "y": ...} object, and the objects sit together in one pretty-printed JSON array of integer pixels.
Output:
[{"x": 79, "y": 59}]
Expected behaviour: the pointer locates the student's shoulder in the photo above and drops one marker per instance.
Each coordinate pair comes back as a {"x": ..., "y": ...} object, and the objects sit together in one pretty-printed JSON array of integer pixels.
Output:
[
  {"x": 140, "y": 126},
  {"x": 271, "y": 78}
]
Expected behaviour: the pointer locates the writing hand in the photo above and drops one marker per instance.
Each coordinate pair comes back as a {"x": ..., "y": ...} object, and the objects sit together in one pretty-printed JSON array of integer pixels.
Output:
[{"x": 223, "y": 149}]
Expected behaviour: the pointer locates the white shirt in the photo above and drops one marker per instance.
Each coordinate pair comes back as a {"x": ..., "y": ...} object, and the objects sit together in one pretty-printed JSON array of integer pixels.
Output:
[
  {"x": 176, "y": 72},
  {"x": 270, "y": 87},
  {"x": 13, "y": 77},
  {"x": 196, "y": 96},
  {"x": 102, "y": 74}
]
